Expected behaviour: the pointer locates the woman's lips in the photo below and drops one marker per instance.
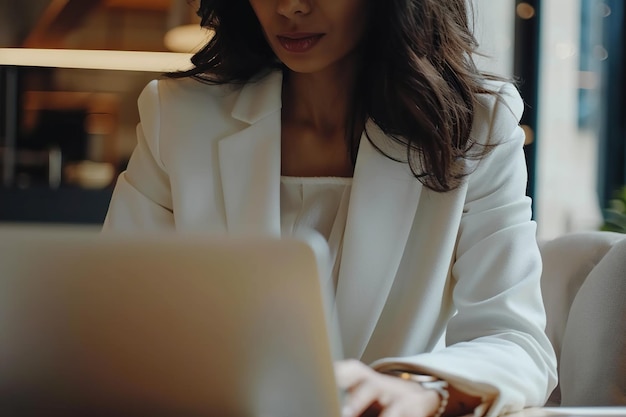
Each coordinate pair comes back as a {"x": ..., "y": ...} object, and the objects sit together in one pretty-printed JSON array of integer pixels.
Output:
[{"x": 299, "y": 42}]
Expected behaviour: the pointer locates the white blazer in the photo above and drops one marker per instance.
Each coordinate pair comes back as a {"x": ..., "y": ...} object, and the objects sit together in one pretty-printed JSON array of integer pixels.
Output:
[{"x": 416, "y": 264}]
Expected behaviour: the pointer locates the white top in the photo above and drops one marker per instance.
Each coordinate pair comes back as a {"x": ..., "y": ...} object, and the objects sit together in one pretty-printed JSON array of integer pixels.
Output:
[{"x": 318, "y": 203}]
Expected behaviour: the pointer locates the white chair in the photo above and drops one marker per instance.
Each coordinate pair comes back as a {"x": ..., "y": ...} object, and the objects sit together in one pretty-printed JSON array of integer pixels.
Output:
[{"x": 584, "y": 291}]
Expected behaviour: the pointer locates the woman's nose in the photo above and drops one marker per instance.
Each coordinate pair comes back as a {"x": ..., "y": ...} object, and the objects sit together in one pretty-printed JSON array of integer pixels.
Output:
[{"x": 291, "y": 8}]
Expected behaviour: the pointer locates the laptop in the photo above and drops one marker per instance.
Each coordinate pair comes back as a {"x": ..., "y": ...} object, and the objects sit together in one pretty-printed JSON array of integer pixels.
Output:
[{"x": 161, "y": 325}]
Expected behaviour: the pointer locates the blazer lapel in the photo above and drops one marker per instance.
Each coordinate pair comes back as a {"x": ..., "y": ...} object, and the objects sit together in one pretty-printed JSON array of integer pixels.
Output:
[
  {"x": 250, "y": 160},
  {"x": 383, "y": 202}
]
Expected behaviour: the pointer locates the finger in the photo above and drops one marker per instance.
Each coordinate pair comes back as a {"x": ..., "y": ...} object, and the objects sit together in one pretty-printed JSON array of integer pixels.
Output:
[
  {"x": 350, "y": 373},
  {"x": 362, "y": 397},
  {"x": 395, "y": 409},
  {"x": 405, "y": 406}
]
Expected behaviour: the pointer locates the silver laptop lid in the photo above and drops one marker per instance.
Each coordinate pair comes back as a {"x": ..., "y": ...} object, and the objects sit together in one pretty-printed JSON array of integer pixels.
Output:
[{"x": 161, "y": 325}]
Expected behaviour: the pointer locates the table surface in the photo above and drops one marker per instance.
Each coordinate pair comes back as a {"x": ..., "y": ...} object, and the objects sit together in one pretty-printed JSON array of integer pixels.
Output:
[{"x": 572, "y": 411}]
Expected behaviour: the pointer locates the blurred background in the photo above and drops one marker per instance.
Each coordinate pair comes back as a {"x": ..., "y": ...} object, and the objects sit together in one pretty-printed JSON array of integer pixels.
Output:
[{"x": 68, "y": 118}]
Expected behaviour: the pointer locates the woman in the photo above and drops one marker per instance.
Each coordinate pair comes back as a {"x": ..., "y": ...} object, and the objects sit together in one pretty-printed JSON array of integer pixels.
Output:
[{"x": 367, "y": 121}]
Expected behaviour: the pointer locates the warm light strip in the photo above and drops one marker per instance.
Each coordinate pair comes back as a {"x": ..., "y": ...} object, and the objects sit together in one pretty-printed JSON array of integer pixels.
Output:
[{"x": 90, "y": 59}]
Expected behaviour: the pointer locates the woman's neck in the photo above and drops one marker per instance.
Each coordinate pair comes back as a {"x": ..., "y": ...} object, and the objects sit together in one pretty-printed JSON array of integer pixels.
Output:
[
  {"x": 320, "y": 101},
  {"x": 315, "y": 113}
]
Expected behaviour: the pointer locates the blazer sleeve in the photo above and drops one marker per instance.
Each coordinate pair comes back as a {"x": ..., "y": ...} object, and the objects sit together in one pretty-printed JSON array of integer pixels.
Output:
[
  {"x": 496, "y": 346},
  {"x": 142, "y": 199}
]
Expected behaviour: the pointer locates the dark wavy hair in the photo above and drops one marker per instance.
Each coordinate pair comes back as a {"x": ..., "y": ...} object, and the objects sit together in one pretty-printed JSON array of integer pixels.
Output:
[{"x": 418, "y": 81}]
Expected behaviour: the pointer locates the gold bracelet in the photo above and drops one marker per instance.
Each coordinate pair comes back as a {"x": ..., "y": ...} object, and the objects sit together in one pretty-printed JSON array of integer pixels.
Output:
[{"x": 428, "y": 382}]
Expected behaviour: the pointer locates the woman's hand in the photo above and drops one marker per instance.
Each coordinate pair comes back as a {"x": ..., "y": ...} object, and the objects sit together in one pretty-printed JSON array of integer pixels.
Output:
[{"x": 370, "y": 393}]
